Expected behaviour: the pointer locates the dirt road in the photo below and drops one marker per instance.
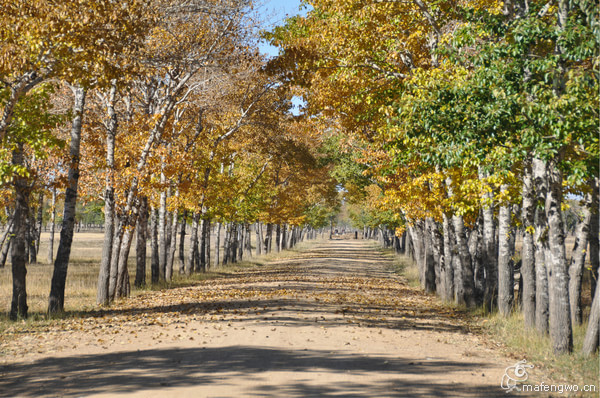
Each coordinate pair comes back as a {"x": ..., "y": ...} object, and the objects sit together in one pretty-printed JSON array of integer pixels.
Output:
[{"x": 331, "y": 321}]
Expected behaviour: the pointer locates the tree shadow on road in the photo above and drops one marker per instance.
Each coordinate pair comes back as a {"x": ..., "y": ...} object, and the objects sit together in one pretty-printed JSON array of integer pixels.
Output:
[{"x": 155, "y": 369}]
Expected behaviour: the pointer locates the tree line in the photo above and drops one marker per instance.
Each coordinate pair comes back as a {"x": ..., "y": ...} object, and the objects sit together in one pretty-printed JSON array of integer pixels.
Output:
[
  {"x": 459, "y": 125},
  {"x": 166, "y": 114}
]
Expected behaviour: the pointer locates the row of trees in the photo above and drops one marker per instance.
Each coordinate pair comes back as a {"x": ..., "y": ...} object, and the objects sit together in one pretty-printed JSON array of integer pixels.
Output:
[
  {"x": 462, "y": 123},
  {"x": 166, "y": 113}
]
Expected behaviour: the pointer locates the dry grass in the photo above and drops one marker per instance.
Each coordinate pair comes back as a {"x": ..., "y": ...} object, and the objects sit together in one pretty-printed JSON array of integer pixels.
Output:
[
  {"x": 82, "y": 277},
  {"x": 519, "y": 342}
]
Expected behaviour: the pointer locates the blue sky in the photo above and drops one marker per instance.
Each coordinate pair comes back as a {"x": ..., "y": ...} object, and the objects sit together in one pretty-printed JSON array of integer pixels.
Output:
[{"x": 274, "y": 12}]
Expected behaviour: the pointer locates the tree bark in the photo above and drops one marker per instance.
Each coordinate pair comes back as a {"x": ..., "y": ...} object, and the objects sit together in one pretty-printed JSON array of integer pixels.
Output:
[
  {"x": 576, "y": 266},
  {"x": 172, "y": 245},
  {"x": 154, "y": 259},
  {"x": 182, "y": 242},
  {"x": 218, "y": 244},
  {"x": 447, "y": 268},
  {"x": 50, "y": 257},
  {"x": 506, "y": 281},
  {"x": 38, "y": 224},
  {"x": 191, "y": 264},
  {"x": 465, "y": 289},
  {"x": 593, "y": 238},
  {"x": 140, "y": 243},
  {"x": 489, "y": 256},
  {"x": 528, "y": 251},
  {"x": 162, "y": 229},
  {"x": 18, "y": 307},
  {"x": 561, "y": 332},
  {"x": 59, "y": 276},
  {"x": 259, "y": 239},
  {"x": 540, "y": 240},
  {"x": 590, "y": 341},
  {"x": 102, "y": 296}
]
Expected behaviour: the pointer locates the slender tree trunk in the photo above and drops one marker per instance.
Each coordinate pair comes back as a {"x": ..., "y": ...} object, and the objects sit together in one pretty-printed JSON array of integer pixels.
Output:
[
  {"x": 202, "y": 245},
  {"x": 6, "y": 240},
  {"x": 489, "y": 256},
  {"x": 182, "y": 242},
  {"x": 259, "y": 239},
  {"x": 38, "y": 224},
  {"x": 208, "y": 232},
  {"x": 541, "y": 247},
  {"x": 102, "y": 296},
  {"x": 476, "y": 250},
  {"x": 18, "y": 307},
  {"x": 191, "y": 265},
  {"x": 162, "y": 230},
  {"x": 446, "y": 266},
  {"x": 59, "y": 277},
  {"x": 226, "y": 243},
  {"x": 593, "y": 238},
  {"x": 172, "y": 245},
  {"x": 114, "y": 259},
  {"x": 561, "y": 332},
  {"x": 506, "y": 281},
  {"x": 154, "y": 256},
  {"x": 578, "y": 261},
  {"x": 50, "y": 257},
  {"x": 123, "y": 287},
  {"x": 590, "y": 341},
  {"x": 528, "y": 250},
  {"x": 278, "y": 236},
  {"x": 269, "y": 238},
  {"x": 31, "y": 237},
  {"x": 141, "y": 241},
  {"x": 466, "y": 292},
  {"x": 218, "y": 244},
  {"x": 432, "y": 275},
  {"x": 249, "y": 239}
]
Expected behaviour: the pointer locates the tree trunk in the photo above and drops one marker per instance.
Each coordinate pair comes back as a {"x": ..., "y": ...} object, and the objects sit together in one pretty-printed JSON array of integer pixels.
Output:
[
  {"x": 541, "y": 248},
  {"x": 102, "y": 296},
  {"x": 506, "y": 281},
  {"x": 578, "y": 261},
  {"x": 432, "y": 256},
  {"x": 6, "y": 240},
  {"x": 489, "y": 256},
  {"x": 465, "y": 291},
  {"x": 18, "y": 307},
  {"x": 140, "y": 243},
  {"x": 50, "y": 257},
  {"x": 59, "y": 276},
  {"x": 561, "y": 332},
  {"x": 123, "y": 287},
  {"x": 278, "y": 236},
  {"x": 593, "y": 238},
  {"x": 162, "y": 230},
  {"x": 202, "y": 245},
  {"x": 590, "y": 341},
  {"x": 447, "y": 269},
  {"x": 528, "y": 251},
  {"x": 218, "y": 244},
  {"x": 172, "y": 245},
  {"x": 476, "y": 251},
  {"x": 38, "y": 224},
  {"x": 182, "y": 242},
  {"x": 259, "y": 239},
  {"x": 191, "y": 264},
  {"x": 269, "y": 238},
  {"x": 208, "y": 232},
  {"x": 154, "y": 256},
  {"x": 114, "y": 259}
]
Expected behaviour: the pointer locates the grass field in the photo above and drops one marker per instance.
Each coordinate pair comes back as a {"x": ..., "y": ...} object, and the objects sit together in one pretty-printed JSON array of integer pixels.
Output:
[{"x": 82, "y": 277}]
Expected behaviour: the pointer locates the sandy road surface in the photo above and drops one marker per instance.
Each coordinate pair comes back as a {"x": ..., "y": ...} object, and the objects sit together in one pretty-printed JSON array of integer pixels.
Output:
[{"x": 330, "y": 321}]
